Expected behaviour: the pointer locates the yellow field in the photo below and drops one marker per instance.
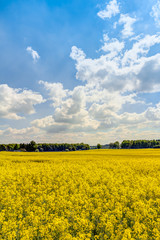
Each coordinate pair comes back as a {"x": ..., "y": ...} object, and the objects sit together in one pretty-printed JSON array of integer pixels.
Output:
[{"x": 98, "y": 194}]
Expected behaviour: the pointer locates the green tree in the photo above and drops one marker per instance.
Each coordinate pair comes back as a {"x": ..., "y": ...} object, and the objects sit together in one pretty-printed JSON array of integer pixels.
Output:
[
  {"x": 111, "y": 145},
  {"x": 32, "y": 146},
  {"x": 99, "y": 146},
  {"x": 17, "y": 146},
  {"x": 126, "y": 144},
  {"x": 3, "y": 147},
  {"x": 116, "y": 145}
]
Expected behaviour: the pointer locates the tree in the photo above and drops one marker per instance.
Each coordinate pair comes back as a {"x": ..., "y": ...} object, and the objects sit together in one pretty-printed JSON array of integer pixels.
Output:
[
  {"x": 99, "y": 146},
  {"x": 73, "y": 148},
  {"x": 17, "y": 146},
  {"x": 111, "y": 145},
  {"x": 32, "y": 146},
  {"x": 126, "y": 144},
  {"x": 116, "y": 145},
  {"x": 3, "y": 147}
]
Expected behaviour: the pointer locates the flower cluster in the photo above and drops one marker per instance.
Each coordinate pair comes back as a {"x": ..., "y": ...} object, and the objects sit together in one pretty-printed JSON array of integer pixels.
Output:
[{"x": 97, "y": 194}]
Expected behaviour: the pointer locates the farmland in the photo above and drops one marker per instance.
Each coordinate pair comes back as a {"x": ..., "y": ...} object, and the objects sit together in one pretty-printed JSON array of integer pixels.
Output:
[{"x": 96, "y": 194}]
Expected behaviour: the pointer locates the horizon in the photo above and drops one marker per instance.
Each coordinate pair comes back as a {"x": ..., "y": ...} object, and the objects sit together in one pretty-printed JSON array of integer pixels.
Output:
[{"x": 77, "y": 71}]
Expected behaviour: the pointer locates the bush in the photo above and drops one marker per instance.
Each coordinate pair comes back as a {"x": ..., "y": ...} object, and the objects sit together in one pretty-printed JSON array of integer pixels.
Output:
[{"x": 156, "y": 146}]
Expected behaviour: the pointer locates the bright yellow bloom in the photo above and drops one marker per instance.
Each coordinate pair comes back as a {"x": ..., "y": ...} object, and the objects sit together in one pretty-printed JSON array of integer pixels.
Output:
[{"x": 97, "y": 194}]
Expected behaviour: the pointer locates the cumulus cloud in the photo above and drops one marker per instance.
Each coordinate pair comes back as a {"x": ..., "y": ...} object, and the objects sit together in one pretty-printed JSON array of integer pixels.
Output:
[
  {"x": 129, "y": 71},
  {"x": 63, "y": 122},
  {"x": 140, "y": 49},
  {"x": 33, "y": 53},
  {"x": 21, "y": 132},
  {"x": 128, "y": 22},
  {"x": 77, "y": 53},
  {"x": 100, "y": 119},
  {"x": 48, "y": 125},
  {"x": 153, "y": 113},
  {"x": 56, "y": 92},
  {"x": 113, "y": 46},
  {"x": 99, "y": 124},
  {"x": 155, "y": 13},
  {"x": 86, "y": 108},
  {"x": 43, "y": 122},
  {"x": 10, "y": 134},
  {"x": 15, "y": 103},
  {"x": 112, "y": 9},
  {"x": 109, "y": 119}
]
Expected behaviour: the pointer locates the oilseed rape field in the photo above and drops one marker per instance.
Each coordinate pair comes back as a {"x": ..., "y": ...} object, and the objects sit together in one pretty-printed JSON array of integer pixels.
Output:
[{"x": 96, "y": 194}]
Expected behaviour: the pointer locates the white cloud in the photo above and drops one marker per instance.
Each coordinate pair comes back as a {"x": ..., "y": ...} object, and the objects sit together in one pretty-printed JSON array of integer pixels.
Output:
[
  {"x": 33, "y": 53},
  {"x": 99, "y": 120},
  {"x": 128, "y": 25},
  {"x": 155, "y": 13},
  {"x": 87, "y": 108},
  {"x": 48, "y": 125},
  {"x": 15, "y": 103},
  {"x": 43, "y": 122},
  {"x": 112, "y": 9},
  {"x": 56, "y": 92},
  {"x": 113, "y": 46},
  {"x": 77, "y": 53},
  {"x": 127, "y": 71},
  {"x": 109, "y": 119},
  {"x": 21, "y": 132},
  {"x": 115, "y": 25},
  {"x": 140, "y": 49},
  {"x": 81, "y": 97},
  {"x": 63, "y": 122},
  {"x": 77, "y": 101},
  {"x": 10, "y": 135},
  {"x": 153, "y": 113}
]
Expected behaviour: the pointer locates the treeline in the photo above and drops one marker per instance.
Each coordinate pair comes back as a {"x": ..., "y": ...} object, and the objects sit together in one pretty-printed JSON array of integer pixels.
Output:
[
  {"x": 135, "y": 144},
  {"x": 43, "y": 147}
]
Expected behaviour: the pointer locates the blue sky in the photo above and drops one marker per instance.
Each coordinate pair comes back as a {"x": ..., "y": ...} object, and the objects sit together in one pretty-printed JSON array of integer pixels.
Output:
[{"x": 79, "y": 71}]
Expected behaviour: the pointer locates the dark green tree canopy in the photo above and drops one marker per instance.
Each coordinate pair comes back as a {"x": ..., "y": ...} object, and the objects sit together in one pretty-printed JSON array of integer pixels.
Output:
[{"x": 99, "y": 146}]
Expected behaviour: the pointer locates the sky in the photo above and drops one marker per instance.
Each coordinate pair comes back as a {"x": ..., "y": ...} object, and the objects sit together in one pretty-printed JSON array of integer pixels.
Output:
[{"x": 79, "y": 71}]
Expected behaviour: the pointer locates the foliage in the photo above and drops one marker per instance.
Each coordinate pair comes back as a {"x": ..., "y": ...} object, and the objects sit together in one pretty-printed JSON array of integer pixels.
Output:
[
  {"x": 44, "y": 147},
  {"x": 114, "y": 145},
  {"x": 31, "y": 147},
  {"x": 103, "y": 194},
  {"x": 135, "y": 144},
  {"x": 99, "y": 146},
  {"x": 156, "y": 146}
]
